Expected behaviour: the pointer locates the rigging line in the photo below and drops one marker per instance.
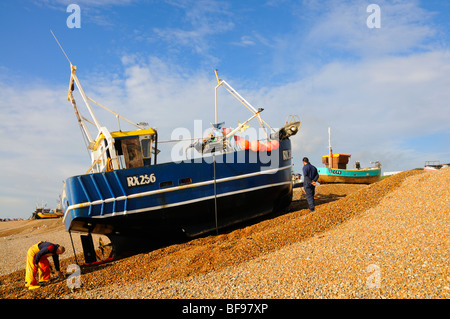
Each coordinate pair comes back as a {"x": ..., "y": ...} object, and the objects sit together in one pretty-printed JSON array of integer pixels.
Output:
[
  {"x": 73, "y": 247},
  {"x": 215, "y": 194},
  {"x": 85, "y": 140},
  {"x": 61, "y": 47},
  {"x": 115, "y": 113},
  {"x": 85, "y": 119}
]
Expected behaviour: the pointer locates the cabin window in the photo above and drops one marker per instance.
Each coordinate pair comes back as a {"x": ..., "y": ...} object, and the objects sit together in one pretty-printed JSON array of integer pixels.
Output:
[
  {"x": 185, "y": 181},
  {"x": 146, "y": 144},
  {"x": 166, "y": 184},
  {"x": 132, "y": 153}
]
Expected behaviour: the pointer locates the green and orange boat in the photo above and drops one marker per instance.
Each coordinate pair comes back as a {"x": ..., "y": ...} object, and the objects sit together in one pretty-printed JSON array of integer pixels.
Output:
[{"x": 335, "y": 171}]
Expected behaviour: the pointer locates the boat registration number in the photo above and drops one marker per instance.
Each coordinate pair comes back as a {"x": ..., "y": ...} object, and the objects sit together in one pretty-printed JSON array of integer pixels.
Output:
[
  {"x": 140, "y": 180},
  {"x": 336, "y": 172}
]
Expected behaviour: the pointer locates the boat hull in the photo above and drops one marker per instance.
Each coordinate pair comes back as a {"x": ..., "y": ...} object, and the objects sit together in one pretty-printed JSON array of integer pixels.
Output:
[
  {"x": 175, "y": 200},
  {"x": 348, "y": 176},
  {"x": 48, "y": 215}
]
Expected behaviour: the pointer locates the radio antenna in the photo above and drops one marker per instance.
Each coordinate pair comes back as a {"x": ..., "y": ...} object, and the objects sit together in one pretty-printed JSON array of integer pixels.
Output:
[{"x": 61, "y": 47}]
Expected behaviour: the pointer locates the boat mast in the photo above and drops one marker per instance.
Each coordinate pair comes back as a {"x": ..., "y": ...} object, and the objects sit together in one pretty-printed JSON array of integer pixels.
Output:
[
  {"x": 97, "y": 156},
  {"x": 77, "y": 112},
  {"x": 215, "y": 96},
  {"x": 330, "y": 152},
  {"x": 243, "y": 101},
  {"x": 73, "y": 80},
  {"x": 73, "y": 77}
]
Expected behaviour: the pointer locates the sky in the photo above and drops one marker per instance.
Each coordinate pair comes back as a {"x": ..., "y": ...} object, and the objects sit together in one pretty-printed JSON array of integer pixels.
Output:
[{"x": 382, "y": 88}]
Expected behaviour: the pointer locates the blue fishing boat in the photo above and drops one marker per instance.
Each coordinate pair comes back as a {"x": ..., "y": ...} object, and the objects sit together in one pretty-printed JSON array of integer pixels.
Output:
[{"x": 135, "y": 201}]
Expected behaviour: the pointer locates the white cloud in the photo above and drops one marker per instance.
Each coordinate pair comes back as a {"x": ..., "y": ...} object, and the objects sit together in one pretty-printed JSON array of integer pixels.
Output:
[
  {"x": 342, "y": 26},
  {"x": 245, "y": 41},
  {"x": 202, "y": 20},
  {"x": 328, "y": 31},
  {"x": 372, "y": 106},
  {"x": 37, "y": 149}
]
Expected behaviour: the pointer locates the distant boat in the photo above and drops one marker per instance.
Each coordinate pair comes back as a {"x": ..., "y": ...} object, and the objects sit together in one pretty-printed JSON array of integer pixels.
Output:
[
  {"x": 349, "y": 176},
  {"x": 44, "y": 213},
  {"x": 335, "y": 170}
]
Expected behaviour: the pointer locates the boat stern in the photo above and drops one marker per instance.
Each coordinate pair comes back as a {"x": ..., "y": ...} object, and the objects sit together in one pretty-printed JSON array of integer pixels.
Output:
[{"x": 73, "y": 202}]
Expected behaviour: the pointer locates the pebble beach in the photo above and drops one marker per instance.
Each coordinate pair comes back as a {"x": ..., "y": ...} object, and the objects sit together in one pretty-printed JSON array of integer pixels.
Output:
[{"x": 387, "y": 240}]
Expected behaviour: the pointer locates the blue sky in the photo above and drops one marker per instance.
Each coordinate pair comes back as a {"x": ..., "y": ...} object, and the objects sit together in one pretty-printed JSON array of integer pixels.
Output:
[{"x": 384, "y": 91}]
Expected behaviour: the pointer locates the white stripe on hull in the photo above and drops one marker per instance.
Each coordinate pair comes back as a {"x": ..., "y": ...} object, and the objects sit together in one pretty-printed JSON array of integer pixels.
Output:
[{"x": 159, "y": 191}]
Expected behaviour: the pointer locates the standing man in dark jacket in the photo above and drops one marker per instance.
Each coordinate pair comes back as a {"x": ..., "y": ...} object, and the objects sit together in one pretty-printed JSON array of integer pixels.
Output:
[{"x": 310, "y": 177}]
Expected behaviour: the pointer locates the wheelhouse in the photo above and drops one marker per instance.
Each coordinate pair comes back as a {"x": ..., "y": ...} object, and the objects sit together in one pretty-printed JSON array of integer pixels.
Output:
[{"x": 123, "y": 150}]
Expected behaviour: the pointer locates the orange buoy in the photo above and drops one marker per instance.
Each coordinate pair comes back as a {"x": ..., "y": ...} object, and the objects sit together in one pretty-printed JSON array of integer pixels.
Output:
[
  {"x": 274, "y": 144},
  {"x": 262, "y": 147},
  {"x": 268, "y": 146},
  {"x": 245, "y": 145},
  {"x": 254, "y": 146}
]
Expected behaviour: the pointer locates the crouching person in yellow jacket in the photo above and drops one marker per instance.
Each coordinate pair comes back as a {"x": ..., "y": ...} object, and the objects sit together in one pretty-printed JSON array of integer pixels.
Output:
[{"x": 37, "y": 263}]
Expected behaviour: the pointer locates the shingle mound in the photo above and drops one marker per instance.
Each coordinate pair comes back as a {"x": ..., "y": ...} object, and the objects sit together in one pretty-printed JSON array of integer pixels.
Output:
[{"x": 185, "y": 270}]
